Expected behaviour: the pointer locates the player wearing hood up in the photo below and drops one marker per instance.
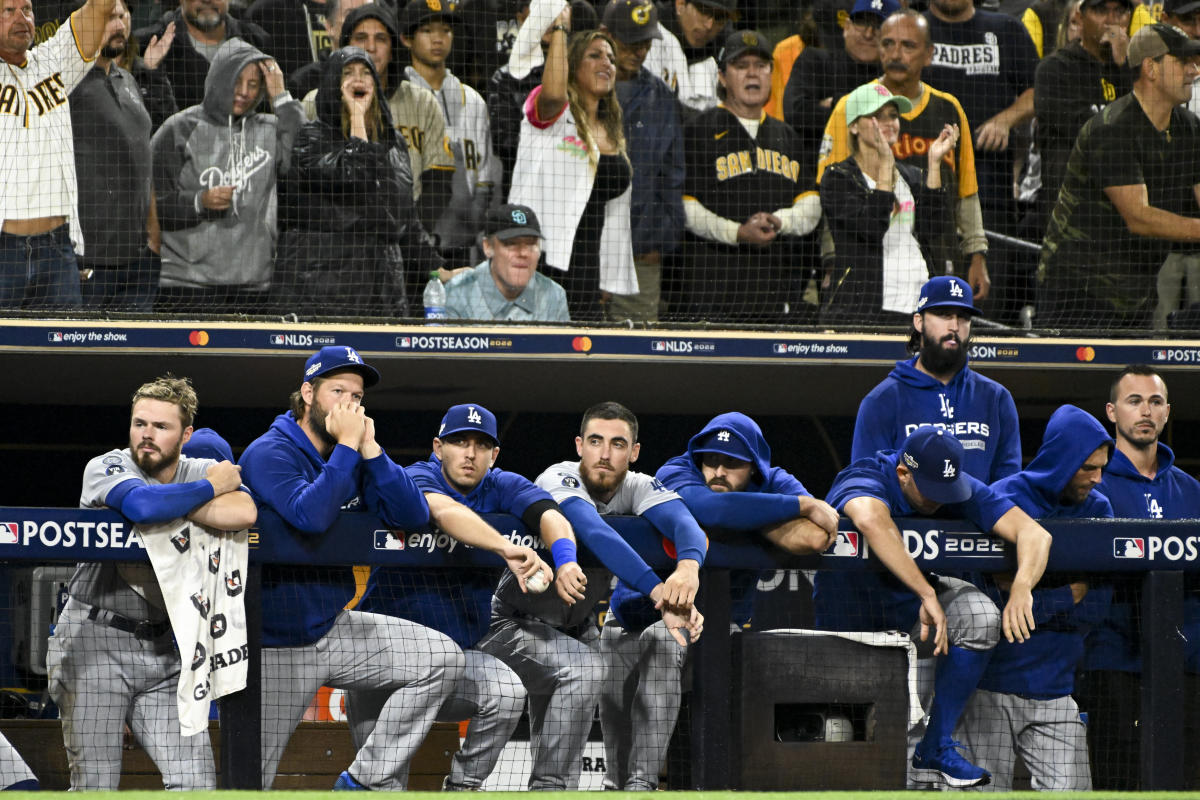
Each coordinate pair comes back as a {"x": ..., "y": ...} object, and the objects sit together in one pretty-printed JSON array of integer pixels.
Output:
[
  {"x": 215, "y": 167},
  {"x": 1023, "y": 703}
]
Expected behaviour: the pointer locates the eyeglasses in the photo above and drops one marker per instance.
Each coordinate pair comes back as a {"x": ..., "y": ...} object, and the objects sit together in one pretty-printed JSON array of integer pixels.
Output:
[
  {"x": 866, "y": 23},
  {"x": 719, "y": 16}
]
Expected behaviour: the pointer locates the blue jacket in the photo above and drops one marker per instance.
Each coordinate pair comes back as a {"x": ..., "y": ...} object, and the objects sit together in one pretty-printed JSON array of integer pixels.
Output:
[
  {"x": 977, "y": 410},
  {"x": 456, "y": 603},
  {"x": 654, "y": 139},
  {"x": 769, "y": 499},
  {"x": 1043, "y": 666},
  {"x": 293, "y": 485},
  {"x": 1170, "y": 494}
]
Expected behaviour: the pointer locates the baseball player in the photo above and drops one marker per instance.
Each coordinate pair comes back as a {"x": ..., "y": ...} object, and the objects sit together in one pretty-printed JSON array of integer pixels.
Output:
[
  {"x": 1142, "y": 482},
  {"x": 552, "y": 644},
  {"x": 39, "y": 214},
  {"x": 1023, "y": 703},
  {"x": 458, "y": 480},
  {"x": 319, "y": 459},
  {"x": 112, "y": 659},
  {"x": 949, "y": 618},
  {"x": 936, "y": 387},
  {"x": 727, "y": 482}
]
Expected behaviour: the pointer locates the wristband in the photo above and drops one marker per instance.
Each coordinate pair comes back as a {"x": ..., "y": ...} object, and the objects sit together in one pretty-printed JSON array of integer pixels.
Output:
[
  {"x": 563, "y": 552},
  {"x": 562, "y": 28}
]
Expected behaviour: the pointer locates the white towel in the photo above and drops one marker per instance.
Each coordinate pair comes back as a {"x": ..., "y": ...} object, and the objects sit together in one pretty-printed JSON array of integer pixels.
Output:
[{"x": 200, "y": 571}]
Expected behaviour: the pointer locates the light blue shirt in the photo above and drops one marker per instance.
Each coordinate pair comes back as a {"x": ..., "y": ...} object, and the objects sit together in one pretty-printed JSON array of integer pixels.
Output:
[{"x": 474, "y": 295}]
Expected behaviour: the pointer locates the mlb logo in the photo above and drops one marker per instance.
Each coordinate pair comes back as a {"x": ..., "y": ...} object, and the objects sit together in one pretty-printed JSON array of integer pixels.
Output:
[
  {"x": 1159, "y": 355},
  {"x": 846, "y": 544},
  {"x": 277, "y": 338},
  {"x": 8, "y": 532},
  {"x": 780, "y": 349},
  {"x": 658, "y": 346},
  {"x": 403, "y": 341},
  {"x": 54, "y": 336},
  {"x": 1129, "y": 548},
  {"x": 388, "y": 540}
]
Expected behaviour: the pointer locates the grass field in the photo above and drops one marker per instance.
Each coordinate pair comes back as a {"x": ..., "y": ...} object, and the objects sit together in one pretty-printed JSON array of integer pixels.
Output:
[{"x": 619, "y": 795}]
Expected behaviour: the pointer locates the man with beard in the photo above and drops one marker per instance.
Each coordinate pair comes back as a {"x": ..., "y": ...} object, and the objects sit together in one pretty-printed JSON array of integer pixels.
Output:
[
  {"x": 936, "y": 387},
  {"x": 319, "y": 459},
  {"x": 728, "y": 484},
  {"x": 1023, "y": 703},
  {"x": 39, "y": 209},
  {"x": 112, "y": 658},
  {"x": 1142, "y": 482},
  {"x": 200, "y": 28},
  {"x": 111, "y": 127},
  {"x": 553, "y": 646},
  {"x": 949, "y": 618}
]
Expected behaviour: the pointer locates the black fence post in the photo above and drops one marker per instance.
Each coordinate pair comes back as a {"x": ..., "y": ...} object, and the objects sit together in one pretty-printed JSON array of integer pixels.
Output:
[
  {"x": 712, "y": 674},
  {"x": 1162, "y": 681},
  {"x": 241, "y": 712}
]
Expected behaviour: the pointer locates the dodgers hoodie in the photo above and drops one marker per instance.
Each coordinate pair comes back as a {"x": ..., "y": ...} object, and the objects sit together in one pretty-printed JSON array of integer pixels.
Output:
[{"x": 977, "y": 410}]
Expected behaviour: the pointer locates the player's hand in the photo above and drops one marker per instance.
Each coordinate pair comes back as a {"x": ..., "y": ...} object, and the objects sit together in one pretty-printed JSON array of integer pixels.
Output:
[
  {"x": 942, "y": 145},
  {"x": 1117, "y": 37},
  {"x": 369, "y": 448},
  {"x": 272, "y": 77},
  {"x": 225, "y": 477},
  {"x": 157, "y": 49},
  {"x": 758, "y": 230},
  {"x": 821, "y": 513},
  {"x": 679, "y": 590},
  {"x": 523, "y": 562},
  {"x": 1017, "y": 618},
  {"x": 978, "y": 278},
  {"x": 686, "y": 627},
  {"x": 570, "y": 583},
  {"x": 347, "y": 422},
  {"x": 932, "y": 615},
  {"x": 218, "y": 198}
]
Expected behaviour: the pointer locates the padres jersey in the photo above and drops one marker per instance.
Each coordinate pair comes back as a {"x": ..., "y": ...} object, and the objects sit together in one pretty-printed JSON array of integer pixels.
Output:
[
  {"x": 37, "y": 162},
  {"x": 467, "y": 126},
  {"x": 734, "y": 175},
  {"x": 918, "y": 129},
  {"x": 127, "y": 589}
]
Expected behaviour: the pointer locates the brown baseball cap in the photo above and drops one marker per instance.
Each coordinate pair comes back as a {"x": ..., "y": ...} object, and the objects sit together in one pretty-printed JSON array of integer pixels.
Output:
[{"x": 1160, "y": 39}]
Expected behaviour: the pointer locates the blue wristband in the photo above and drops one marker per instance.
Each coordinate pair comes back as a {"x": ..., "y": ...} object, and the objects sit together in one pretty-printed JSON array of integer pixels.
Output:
[{"x": 563, "y": 552}]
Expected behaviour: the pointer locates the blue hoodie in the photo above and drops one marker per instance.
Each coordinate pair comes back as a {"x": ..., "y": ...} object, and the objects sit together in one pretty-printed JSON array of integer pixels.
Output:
[
  {"x": 1043, "y": 667},
  {"x": 769, "y": 499},
  {"x": 299, "y": 491},
  {"x": 977, "y": 410},
  {"x": 458, "y": 604},
  {"x": 1170, "y": 494}
]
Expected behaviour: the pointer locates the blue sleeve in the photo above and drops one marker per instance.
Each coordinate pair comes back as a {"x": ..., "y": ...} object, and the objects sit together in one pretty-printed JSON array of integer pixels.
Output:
[
  {"x": 613, "y": 551},
  {"x": 857, "y": 481},
  {"x": 1049, "y": 603},
  {"x": 985, "y": 507},
  {"x": 739, "y": 511},
  {"x": 781, "y": 481},
  {"x": 391, "y": 493},
  {"x": 310, "y": 506},
  {"x": 673, "y": 521},
  {"x": 423, "y": 475},
  {"x": 142, "y": 503},
  {"x": 874, "y": 428},
  {"x": 1008, "y": 454},
  {"x": 518, "y": 493}
]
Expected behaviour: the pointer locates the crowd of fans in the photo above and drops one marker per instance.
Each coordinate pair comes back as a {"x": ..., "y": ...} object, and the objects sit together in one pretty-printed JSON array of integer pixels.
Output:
[{"x": 683, "y": 167}]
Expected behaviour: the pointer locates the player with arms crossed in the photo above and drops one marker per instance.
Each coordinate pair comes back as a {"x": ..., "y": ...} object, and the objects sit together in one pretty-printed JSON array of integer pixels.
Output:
[
  {"x": 949, "y": 617},
  {"x": 552, "y": 645},
  {"x": 112, "y": 659}
]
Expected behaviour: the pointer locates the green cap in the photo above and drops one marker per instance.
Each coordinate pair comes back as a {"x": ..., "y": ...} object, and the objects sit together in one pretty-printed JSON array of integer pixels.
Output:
[{"x": 869, "y": 98}]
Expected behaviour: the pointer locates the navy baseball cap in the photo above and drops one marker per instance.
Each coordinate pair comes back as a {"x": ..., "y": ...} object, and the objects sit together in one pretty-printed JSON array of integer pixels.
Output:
[
  {"x": 739, "y": 43},
  {"x": 467, "y": 417},
  {"x": 947, "y": 291},
  {"x": 335, "y": 357},
  {"x": 632, "y": 21},
  {"x": 935, "y": 458},
  {"x": 207, "y": 443},
  {"x": 727, "y": 443},
  {"x": 511, "y": 221},
  {"x": 418, "y": 12},
  {"x": 880, "y": 8}
]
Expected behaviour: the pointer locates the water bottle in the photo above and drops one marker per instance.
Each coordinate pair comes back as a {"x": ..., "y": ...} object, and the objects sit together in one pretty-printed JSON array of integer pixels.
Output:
[{"x": 435, "y": 297}]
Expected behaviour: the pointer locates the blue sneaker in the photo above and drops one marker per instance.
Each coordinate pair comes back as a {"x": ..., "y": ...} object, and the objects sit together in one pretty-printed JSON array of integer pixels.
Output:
[
  {"x": 944, "y": 764},
  {"x": 346, "y": 783}
]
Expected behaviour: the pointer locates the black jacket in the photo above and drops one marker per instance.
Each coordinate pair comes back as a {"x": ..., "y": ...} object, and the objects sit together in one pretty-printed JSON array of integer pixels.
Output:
[{"x": 858, "y": 218}]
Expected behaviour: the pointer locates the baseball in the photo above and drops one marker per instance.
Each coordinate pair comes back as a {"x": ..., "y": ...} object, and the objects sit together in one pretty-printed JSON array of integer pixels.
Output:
[{"x": 537, "y": 583}]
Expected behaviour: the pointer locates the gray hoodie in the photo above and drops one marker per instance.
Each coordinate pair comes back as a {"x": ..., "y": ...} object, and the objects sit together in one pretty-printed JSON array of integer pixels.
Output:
[{"x": 206, "y": 146}]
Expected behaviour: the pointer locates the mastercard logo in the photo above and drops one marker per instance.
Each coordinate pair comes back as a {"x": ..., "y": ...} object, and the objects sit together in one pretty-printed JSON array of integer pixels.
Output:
[
  {"x": 581, "y": 344},
  {"x": 1085, "y": 354},
  {"x": 198, "y": 338}
]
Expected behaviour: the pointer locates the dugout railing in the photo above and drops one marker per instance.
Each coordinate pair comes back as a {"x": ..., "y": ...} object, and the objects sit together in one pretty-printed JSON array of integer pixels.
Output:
[{"x": 1161, "y": 551}]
